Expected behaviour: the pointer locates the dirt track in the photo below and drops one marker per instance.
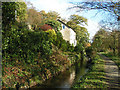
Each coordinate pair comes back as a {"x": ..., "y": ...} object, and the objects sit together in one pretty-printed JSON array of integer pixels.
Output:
[{"x": 112, "y": 73}]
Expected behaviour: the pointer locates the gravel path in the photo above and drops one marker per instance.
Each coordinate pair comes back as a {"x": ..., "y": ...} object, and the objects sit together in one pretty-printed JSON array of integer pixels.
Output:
[{"x": 112, "y": 73}]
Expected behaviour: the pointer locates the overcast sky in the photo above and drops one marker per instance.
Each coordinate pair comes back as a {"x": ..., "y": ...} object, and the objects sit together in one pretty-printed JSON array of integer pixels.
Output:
[{"x": 61, "y": 7}]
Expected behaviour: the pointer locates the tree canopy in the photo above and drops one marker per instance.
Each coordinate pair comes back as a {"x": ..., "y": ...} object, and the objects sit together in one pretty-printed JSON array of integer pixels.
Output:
[
  {"x": 13, "y": 12},
  {"x": 82, "y": 35},
  {"x": 81, "y": 32},
  {"x": 110, "y": 6}
]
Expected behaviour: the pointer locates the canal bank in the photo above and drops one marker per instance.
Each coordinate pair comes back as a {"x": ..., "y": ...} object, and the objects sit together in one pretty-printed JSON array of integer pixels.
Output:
[
  {"x": 60, "y": 74},
  {"x": 67, "y": 78},
  {"x": 22, "y": 75},
  {"x": 95, "y": 77}
]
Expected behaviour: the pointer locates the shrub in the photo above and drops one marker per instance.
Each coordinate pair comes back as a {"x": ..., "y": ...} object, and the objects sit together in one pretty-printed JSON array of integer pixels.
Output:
[
  {"x": 25, "y": 45},
  {"x": 45, "y": 27},
  {"x": 51, "y": 35},
  {"x": 54, "y": 24},
  {"x": 59, "y": 39},
  {"x": 89, "y": 51},
  {"x": 62, "y": 44}
]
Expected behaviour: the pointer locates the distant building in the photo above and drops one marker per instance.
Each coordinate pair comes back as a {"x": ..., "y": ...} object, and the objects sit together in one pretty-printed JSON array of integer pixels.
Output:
[{"x": 68, "y": 34}]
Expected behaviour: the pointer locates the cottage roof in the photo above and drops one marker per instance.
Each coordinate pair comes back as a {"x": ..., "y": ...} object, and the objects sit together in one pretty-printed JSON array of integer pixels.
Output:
[{"x": 63, "y": 23}]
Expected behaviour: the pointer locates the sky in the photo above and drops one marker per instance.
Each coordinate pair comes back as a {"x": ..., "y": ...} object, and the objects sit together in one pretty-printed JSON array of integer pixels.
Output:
[{"x": 61, "y": 6}]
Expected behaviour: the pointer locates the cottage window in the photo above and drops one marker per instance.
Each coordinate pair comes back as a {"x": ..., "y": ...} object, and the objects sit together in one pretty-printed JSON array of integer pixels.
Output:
[{"x": 63, "y": 26}]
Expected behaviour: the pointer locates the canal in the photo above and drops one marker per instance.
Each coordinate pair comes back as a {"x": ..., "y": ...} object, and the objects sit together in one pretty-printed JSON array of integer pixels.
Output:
[{"x": 67, "y": 78}]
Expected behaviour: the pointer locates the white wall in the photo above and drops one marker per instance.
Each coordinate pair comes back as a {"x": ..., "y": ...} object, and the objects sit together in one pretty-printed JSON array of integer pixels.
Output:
[
  {"x": 69, "y": 35},
  {"x": 73, "y": 37}
]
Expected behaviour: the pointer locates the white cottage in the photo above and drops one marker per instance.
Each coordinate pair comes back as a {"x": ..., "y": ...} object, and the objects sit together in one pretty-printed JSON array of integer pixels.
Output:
[{"x": 68, "y": 34}]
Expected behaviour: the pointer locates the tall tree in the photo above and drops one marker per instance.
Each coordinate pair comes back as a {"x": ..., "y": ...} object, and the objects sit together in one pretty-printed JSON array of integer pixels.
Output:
[
  {"x": 82, "y": 35},
  {"x": 13, "y": 12},
  {"x": 100, "y": 40},
  {"x": 75, "y": 23},
  {"x": 78, "y": 19},
  {"x": 105, "y": 40},
  {"x": 34, "y": 18},
  {"x": 53, "y": 15}
]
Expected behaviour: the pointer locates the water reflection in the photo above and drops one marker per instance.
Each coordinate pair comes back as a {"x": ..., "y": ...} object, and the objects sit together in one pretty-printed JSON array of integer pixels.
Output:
[
  {"x": 66, "y": 78},
  {"x": 72, "y": 77}
]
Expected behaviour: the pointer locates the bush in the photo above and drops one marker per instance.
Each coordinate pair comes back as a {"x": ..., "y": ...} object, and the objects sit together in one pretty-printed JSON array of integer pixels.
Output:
[
  {"x": 89, "y": 51},
  {"x": 62, "y": 44},
  {"x": 58, "y": 39},
  {"x": 54, "y": 24},
  {"x": 52, "y": 35},
  {"x": 25, "y": 45},
  {"x": 45, "y": 27}
]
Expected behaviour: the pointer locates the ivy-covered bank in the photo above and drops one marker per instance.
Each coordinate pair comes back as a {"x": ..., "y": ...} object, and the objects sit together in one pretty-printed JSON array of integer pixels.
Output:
[
  {"x": 95, "y": 77},
  {"x": 27, "y": 75},
  {"x": 31, "y": 57}
]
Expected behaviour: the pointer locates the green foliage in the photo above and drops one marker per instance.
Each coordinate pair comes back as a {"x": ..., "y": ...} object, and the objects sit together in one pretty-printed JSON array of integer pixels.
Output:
[
  {"x": 12, "y": 11},
  {"x": 62, "y": 44},
  {"x": 31, "y": 51},
  {"x": 38, "y": 19},
  {"x": 78, "y": 19},
  {"x": 8, "y": 13},
  {"x": 53, "y": 15},
  {"x": 54, "y": 24},
  {"x": 21, "y": 11},
  {"x": 82, "y": 35},
  {"x": 99, "y": 40},
  {"x": 105, "y": 40},
  {"x": 34, "y": 18},
  {"x": 52, "y": 35},
  {"x": 26, "y": 45},
  {"x": 89, "y": 52},
  {"x": 59, "y": 39}
]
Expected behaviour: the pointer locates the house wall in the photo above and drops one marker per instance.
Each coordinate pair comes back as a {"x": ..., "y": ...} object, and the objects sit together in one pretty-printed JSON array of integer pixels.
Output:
[
  {"x": 68, "y": 35},
  {"x": 65, "y": 33},
  {"x": 73, "y": 37}
]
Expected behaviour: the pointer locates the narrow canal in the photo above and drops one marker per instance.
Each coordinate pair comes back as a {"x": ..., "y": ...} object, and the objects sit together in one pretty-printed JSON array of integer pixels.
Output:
[{"x": 67, "y": 78}]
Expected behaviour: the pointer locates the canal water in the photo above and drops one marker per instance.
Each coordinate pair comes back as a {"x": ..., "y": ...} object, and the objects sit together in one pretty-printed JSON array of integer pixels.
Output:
[{"x": 67, "y": 78}]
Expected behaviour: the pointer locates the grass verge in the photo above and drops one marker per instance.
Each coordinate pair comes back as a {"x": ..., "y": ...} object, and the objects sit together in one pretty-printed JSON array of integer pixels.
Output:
[{"x": 95, "y": 78}]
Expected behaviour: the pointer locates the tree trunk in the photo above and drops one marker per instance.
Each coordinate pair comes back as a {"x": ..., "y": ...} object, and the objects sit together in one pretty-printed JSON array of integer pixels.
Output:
[
  {"x": 119, "y": 43},
  {"x": 114, "y": 47},
  {"x": 82, "y": 55}
]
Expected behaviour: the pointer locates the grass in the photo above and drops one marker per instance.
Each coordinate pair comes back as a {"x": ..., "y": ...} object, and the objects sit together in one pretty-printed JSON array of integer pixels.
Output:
[
  {"x": 110, "y": 55},
  {"x": 95, "y": 78}
]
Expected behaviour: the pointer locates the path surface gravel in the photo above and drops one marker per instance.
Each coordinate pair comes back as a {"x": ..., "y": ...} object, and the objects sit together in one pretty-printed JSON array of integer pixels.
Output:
[{"x": 112, "y": 73}]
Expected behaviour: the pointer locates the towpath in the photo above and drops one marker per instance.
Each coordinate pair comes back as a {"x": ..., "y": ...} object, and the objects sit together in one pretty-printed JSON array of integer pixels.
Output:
[{"x": 112, "y": 73}]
